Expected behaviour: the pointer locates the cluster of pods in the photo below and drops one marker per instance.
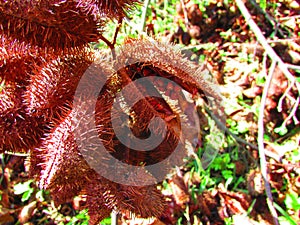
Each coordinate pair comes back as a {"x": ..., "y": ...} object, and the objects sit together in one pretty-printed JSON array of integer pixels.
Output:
[{"x": 44, "y": 55}]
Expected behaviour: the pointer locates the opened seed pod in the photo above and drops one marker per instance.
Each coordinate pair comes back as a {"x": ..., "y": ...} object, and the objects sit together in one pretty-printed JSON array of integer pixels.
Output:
[
  {"x": 146, "y": 52},
  {"x": 57, "y": 24},
  {"x": 138, "y": 119},
  {"x": 147, "y": 85}
]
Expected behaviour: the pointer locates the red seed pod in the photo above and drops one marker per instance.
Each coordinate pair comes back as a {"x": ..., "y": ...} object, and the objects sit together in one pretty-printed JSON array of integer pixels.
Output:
[
  {"x": 18, "y": 131},
  {"x": 163, "y": 62},
  {"x": 167, "y": 62},
  {"x": 147, "y": 72},
  {"x": 58, "y": 164},
  {"x": 116, "y": 9},
  {"x": 52, "y": 84},
  {"x": 146, "y": 201},
  {"x": 101, "y": 198},
  {"x": 141, "y": 113},
  {"x": 57, "y": 24},
  {"x": 17, "y": 58}
]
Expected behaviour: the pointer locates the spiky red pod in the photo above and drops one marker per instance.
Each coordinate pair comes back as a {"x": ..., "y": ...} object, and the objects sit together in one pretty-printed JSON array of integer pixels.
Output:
[
  {"x": 17, "y": 59},
  {"x": 142, "y": 113},
  {"x": 146, "y": 58},
  {"x": 57, "y": 163},
  {"x": 10, "y": 97},
  {"x": 53, "y": 83},
  {"x": 166, "y": 61},
  {"x": 101, "y": 198},
  {"x": 58, "y": 24},
  {"x": 114, "y": 9},
  {"x": 18, "y": 131},
  {"x": 146, "y": 201}
]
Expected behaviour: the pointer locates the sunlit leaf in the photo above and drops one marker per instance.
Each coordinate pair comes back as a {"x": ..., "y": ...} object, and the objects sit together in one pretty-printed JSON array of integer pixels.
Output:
[
  {"x": 292, "y": 201},
  {"x": 263, "y": 4},
  {"x": 21, "y": 188}
]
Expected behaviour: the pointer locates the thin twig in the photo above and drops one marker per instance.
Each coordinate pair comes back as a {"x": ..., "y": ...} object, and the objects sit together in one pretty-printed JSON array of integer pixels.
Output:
[
  {"x": 292, "y": 114},
  {"x": 269, "y": 50},
  {"x": 108, "y": 43},
  {"x": 16, "y": 154},
  {"x": 117, "y": 31},
  {"x": 261, "y": 149},
  {"x": 293, "y": 67},
  {"x": 223, "y": 127},
  {"x": 260, "y": 37},
  {"x": 114, "y": 218},
  {"x": 185, "y": 14},
  {"x": 264, "y": 63},
  {"x": 112, "y": 44},
  {"x": 289, "y": 17},
  {"x": 283, "y": 41},
  {"x": 285, "y": 94},
  {"x": 144, "y": 15},
  {"x": 276, "y": 59},
  {"x": 271, "y": 20}
]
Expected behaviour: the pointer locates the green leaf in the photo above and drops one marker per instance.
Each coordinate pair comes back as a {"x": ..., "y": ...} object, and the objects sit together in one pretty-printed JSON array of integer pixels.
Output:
[
  {"x": 39, "y": 195},
  {"x": 82, "y": 215},
  {"x": 263, "y": 4},
  {"x": 285, "y": 214},
  {"x": 282, "y": 130},
  {"x": 26, "y": 195},
  {"x": 21, "y": 188},
  {"x": 267, "y": 137},
  {"x": 292, "y": 201},
  {"x": 227, "y": 174},
  {"x": 106, "y": 221},
  {"x": 260, "y": 79}
]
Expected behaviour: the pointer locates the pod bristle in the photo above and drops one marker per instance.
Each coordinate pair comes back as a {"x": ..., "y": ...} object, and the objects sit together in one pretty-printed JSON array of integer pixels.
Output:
[{"x": 51, "y": 24}]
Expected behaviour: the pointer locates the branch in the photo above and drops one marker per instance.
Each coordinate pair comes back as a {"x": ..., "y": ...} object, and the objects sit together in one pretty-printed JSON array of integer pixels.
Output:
[
  {"x": 114, "y": 218},
  {"x": 223, "y": 127},
  {"x": 144, "y": 15},
  {"x": 292, "y": 114},
  {"x": 276, "y": 59},
  {"x": 186, "y": 20},
  {"x": 260, "y": 140},
  {"x": 16, "y": 154},
  {"x": 271, "y": 20},
  {"x": 260, "y": 37},
  {"x": 292, "y": 66}
]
